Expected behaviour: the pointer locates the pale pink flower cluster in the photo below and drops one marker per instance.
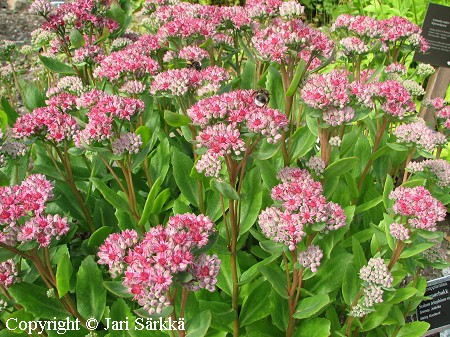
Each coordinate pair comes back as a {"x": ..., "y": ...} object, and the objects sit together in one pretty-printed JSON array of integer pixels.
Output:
[
  {"x": 376, "y": 272},
  {"x": 359, "y": 25},
  {"x": 67, "y": 84},
  {"x": 82, "y": 13},
  {"x": 439, "y": 168},
  {"x": 262, "y": 8},
  {"x": 303, "y": 204},
  {"x": 113, "y": 251},
  {"x": 441, "y": 108},
  {"x": 353, "y": 46},
  {"x": 8, "y": 273},
  {"x": 40, "y": 7},
  {"x": 282, "y": 38},
  {"x": 133, "y": 87},
  {"x": 419, "y": 134},
  {"x": 395, "y": 68},
  {"x": 376, "y": 276},
  {"x": 177, "y": 82},
  {"x": 128, "y": 142},
  {"x": 291, "y": 10},
  {"x": 14, "y": 149},
  {"x": 421, "y": 208},
  {"x": 316, "y": 164},
  {"x": 150, "y": 265},
  {"x": 393, "y": 31},
  {"x": 225, "y": 118},
  {"x": 310, "y": 258},
  {"x": 103, "y": 109},
  {"x": 21, "y": 213},
  {"x": 89, "y": 53},
  {"x": 399, "y": 231},
  {"x": 193, "y": 53},
  {"x": 334, "y": 95}
]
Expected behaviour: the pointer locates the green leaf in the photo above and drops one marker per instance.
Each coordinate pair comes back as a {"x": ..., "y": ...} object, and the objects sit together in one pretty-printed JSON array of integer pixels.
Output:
[
  {"x": 57, "y": 66},
  {"x": 303, "y": 141},
  {"x": 112, "y": 197},
  {"x": 340, "y": 166},
  {"x": 76, "y": 39},
  {"x": 369, "y": 205},
  {"x": 9, "y": 110},
  {"x": 277, "y": 279},
  {"x": 272, "y": 246},
  {"x": 91, "y": 294},
  {"x": 350, "y": 285},
  {"x": 416, "y": 249},
  {"x": 116, "y": 13},
  {"x": 117, "y": 288},
  {"x": 413, "y": 329},
  {"x": 175, "y": 119},
  {"x": 316, "y": 327},
  {"x": 182, "y": 165},
  {"x": 224, "y": 281},
  {"x": 224, "y": 189},
  {"x": 299, "y": 71},
  {"x": 376, "y": 318},
  {"x": 120, "y": 312},
  {"x": 251, "y": 200},
  {"x": 268, "y": 173},
  {"x": 253, "y": 272},
  {"x": 199, "y": 324},
  {"x": 248, "y": 75},
  {"x": 279, "y": 311},
  {"x": 310, "y": 306},
  {"x": 32, "y": 96},
  {"x": 388, "y": 187},
  {"x": 145, "y": 132},
  {"x": 274, "y": 85},
  {"x": 255, "y": 306},
  {"x": 63, "y": 274},
  {"x": 402, "y": 294},
  {"x": 359, "y": 259},
  {"x": 35, "y": 300},
  {"x": 98, "y": 237},
  {"x": 149, "y": 202}
]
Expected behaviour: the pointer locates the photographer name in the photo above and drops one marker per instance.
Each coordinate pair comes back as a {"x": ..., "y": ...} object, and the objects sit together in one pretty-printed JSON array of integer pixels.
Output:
[{"x": 62, "y": 326}]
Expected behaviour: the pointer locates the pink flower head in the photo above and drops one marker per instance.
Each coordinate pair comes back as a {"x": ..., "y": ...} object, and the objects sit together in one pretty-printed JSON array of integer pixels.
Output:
[
  {"x": 395, "y": 99},
  {"x": 421, "y": 208},
  {"x": 8, "y": 273},
  {"x": 438, "y": 168},
  {"x": 376, "y": 272},
  {"x": 150, "y": 265},
  {"x": 311, "y": 257},
  {"x": 304, "y": 204},
  {"x": 419, "y": 134}
]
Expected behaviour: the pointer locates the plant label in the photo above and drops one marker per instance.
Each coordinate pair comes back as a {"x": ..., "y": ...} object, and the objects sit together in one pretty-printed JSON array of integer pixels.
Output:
[
  {"x": 436, "y": 310},
  {"x": 436, "y": 30}
]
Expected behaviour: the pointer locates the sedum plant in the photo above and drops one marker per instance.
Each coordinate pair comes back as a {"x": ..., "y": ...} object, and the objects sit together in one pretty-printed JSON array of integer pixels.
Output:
[{"x": 230, "y": 169}]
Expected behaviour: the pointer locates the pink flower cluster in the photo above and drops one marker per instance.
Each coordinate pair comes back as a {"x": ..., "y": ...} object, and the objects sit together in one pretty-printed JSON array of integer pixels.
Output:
[
  {"x": 21, "y": 213},
  {"x": 126, "y": 64},
  {"x": 48, "y": 122},
  {"x": 177, "y": 82},
  {"x": 419, "y": 134},
  {"x": 151, "y": 264},
  {"x": 8, "y": 273},
  {"x": 334, "y": 95},
  {"x": 103, "y": 109},
  {"x": 303, "y": 204},
  {"x": 399, "y": 231},
  {"x": 442, "y": 110},
  {"x": 224, "y": 119},
  {"x": 439, "y": 168},
  {"x": 421, "y": 208},
  {"x": 353, "y": 46},
  {"x": 395, "y": 99},
  {"x": 281, "y": 38},
  {"x": 80, "y": 14},
  {"x": 393, "y": 31}
]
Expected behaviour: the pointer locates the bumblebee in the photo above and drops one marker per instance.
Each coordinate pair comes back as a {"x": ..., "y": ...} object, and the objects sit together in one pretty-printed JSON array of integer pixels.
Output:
[
  {"x": 262, "y": 97},
  {"x": 191, "y": 64}
]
